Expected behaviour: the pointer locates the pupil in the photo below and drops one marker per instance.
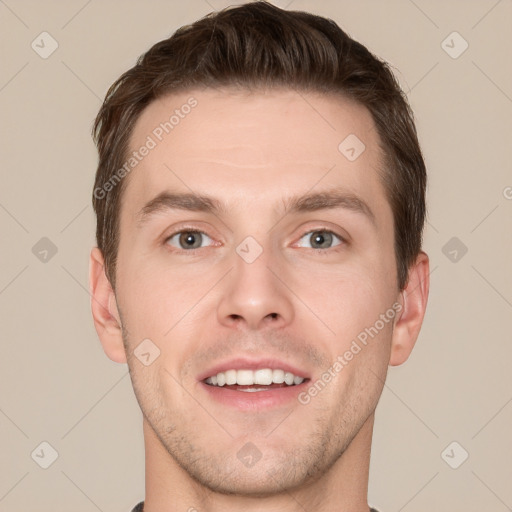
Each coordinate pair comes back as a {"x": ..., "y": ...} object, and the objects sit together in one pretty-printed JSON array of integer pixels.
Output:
[
  {"x": 189, "y": 239},
  {"x": 322, "y": 238}
]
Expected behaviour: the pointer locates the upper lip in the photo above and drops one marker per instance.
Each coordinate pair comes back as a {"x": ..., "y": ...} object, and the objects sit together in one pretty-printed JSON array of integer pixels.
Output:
[{"x": 243, "y": 363}]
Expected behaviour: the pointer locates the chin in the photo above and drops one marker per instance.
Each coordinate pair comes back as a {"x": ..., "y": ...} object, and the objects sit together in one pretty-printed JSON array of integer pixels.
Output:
[
  {"x": 274, "y": 473},
  {"x": 251, "y": 482}
]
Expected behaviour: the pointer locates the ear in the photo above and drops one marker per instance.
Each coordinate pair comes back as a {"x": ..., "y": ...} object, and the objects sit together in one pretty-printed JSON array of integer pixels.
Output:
[
  {"x": 413, "y": 300},
  {"x": 106, "y": 316}
]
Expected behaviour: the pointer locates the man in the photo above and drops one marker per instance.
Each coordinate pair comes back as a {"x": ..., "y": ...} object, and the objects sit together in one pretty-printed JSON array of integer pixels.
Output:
[{"x": 260, "y": 205}]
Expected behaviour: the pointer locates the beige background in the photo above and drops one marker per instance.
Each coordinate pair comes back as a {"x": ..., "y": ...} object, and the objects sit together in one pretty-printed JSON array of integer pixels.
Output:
[{"x": 58, "y": 386}]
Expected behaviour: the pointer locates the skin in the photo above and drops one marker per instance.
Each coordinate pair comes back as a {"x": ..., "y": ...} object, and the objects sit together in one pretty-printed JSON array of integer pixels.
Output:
[{"x": 296, "y": 302}]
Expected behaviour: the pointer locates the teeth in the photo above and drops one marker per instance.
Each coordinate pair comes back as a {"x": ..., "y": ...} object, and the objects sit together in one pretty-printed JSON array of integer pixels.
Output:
[
  {"x": 262, "y": 377},
  {"x": 244, "y": 377},
  {"x": 230, "y": 377},
  {"x": 288, "y": 378},
  {"x": 297, "y": 380},
  {"x": 278, "y": 376}
]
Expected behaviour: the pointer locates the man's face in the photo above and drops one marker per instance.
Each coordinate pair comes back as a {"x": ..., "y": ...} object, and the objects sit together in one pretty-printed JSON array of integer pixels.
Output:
[{"x": 258, "y": 284}]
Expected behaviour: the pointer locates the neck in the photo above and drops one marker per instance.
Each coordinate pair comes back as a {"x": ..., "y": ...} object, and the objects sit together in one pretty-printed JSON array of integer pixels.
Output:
[{"x": 343, "y": 488}]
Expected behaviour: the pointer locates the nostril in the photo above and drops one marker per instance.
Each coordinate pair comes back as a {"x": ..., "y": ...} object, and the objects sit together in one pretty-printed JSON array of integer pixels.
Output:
[{"x": 272, "y": 316}]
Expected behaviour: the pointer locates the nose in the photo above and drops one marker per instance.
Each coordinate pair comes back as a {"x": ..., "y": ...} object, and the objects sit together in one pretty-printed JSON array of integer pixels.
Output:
[{"x": 254, "y": 297}]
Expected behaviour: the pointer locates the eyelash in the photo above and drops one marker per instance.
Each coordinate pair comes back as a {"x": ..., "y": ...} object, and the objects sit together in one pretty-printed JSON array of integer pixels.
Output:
[
  {"x": 323, "y": 252},
  {"x": 329, "y": 250}
]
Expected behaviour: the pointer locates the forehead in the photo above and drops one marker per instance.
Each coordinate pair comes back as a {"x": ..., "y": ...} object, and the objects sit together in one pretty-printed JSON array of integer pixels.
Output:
[{"x": 226, "y": 143}]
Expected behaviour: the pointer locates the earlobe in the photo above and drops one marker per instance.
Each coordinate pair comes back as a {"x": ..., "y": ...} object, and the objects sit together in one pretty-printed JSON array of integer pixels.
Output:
[
  {"x": 105, "y": 313},
  {"x": 409, "y": 319}
]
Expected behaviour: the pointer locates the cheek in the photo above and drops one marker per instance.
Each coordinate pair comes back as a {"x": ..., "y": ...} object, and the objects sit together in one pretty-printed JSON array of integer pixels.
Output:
[
  {"x": 162, "y": 302},
  {"x": 347, "y": 300}
]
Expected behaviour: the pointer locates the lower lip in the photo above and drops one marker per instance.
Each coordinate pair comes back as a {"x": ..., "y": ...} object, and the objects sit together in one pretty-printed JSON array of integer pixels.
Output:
[{"x": 255, "y": 400}]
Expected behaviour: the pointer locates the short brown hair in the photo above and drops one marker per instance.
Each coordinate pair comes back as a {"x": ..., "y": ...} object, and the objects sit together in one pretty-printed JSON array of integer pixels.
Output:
[{"x": 253, "y": 46}]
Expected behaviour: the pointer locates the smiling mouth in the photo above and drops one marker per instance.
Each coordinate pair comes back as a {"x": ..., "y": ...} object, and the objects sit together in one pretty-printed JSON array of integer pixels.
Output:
[{"x": 252, "y": 381}]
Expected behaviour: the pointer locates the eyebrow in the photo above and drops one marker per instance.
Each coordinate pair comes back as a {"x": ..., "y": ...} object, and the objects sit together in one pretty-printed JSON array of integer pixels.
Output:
[{"x": 311, "y": 202}]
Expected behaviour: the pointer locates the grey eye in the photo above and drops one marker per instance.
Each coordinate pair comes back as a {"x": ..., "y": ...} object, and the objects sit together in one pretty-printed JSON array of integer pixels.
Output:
[
  {"x": 321, "y": 239},
  {"x": 188, "y": 239}
]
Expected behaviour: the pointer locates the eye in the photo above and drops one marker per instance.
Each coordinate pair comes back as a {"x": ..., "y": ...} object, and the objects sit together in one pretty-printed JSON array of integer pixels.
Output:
[
  {"x": 188, "y": 239},
  {"x": 321, "y": 239}
]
